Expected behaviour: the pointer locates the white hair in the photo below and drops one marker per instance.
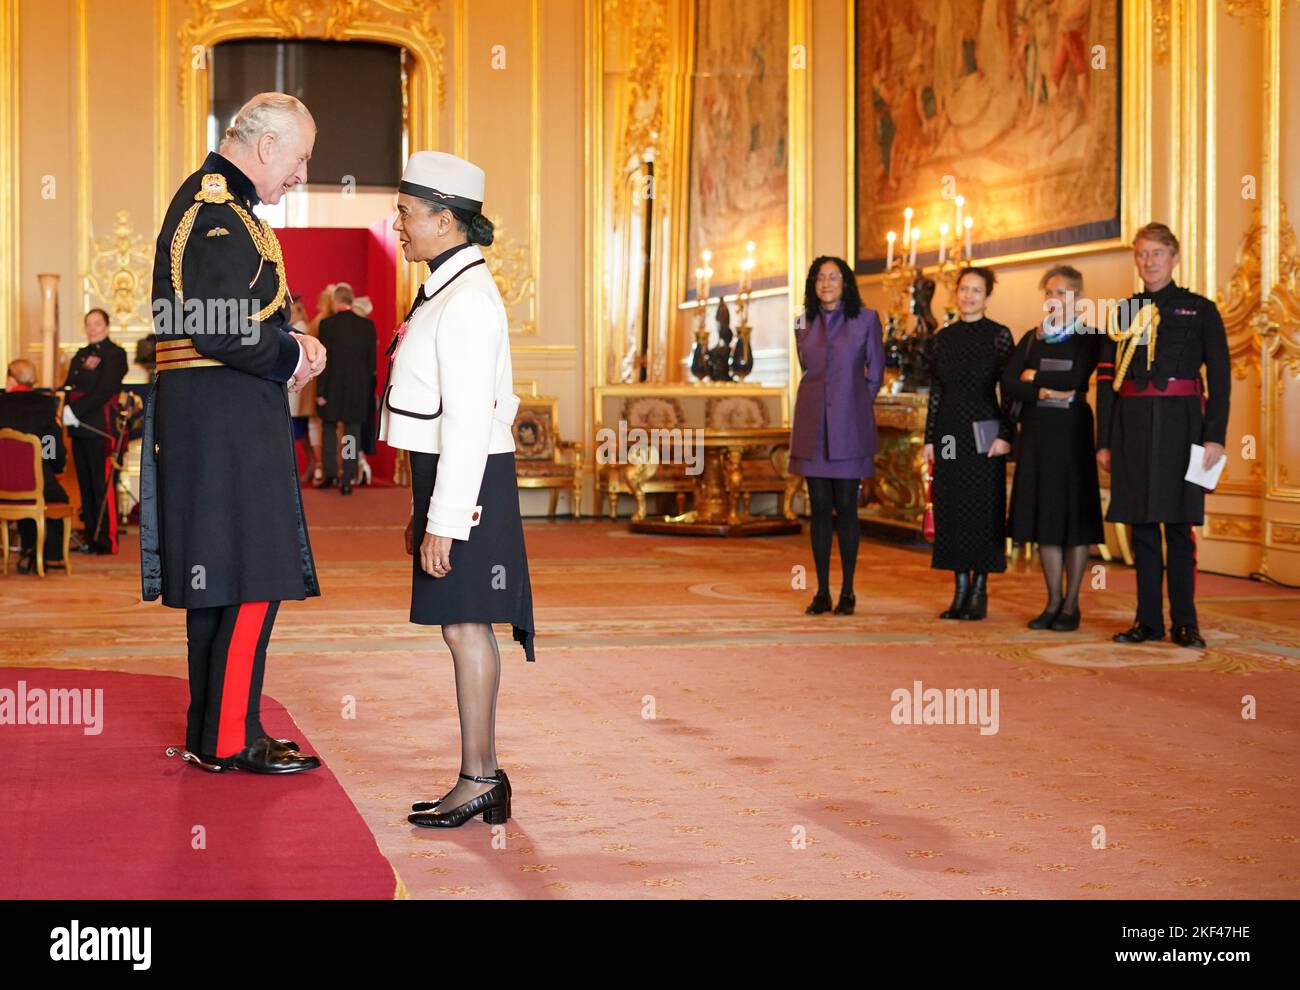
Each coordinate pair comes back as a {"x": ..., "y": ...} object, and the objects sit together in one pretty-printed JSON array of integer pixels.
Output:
[{"x": 267, "y": 113}]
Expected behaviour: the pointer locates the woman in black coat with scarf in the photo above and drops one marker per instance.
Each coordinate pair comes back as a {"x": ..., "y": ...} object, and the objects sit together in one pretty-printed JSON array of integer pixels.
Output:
[{"x": 1055, "y": 500}]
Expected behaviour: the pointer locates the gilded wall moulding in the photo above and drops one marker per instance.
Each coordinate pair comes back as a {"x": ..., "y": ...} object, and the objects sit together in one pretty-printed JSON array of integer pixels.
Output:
[
  {"x": 1239, "y": 302},
  {"x": 119, "y": 274},
  {"x": 1248, "y": 10},
  {"x": 1282, "y": 311},
  {"x": 647, "y": 83},
  {"x": 1245, "y": 529},
  {"x": 409, "y": 23},
  {"x": 512, "y": 271},
  {"x": 1160, "y": 21}
]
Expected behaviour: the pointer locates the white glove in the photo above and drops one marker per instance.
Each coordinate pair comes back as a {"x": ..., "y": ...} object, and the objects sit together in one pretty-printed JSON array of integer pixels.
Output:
[{"x": 69, "y": 417}]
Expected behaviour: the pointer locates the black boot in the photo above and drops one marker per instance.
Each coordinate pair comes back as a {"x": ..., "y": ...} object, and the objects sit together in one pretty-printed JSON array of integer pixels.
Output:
[
  {"x": 959, "y": 596},
  {"x": 821, "y": 603},
  {"x": 977, "y": 605}
]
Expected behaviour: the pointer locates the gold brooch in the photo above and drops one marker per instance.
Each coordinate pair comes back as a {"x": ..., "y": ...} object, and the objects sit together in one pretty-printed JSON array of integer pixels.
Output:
[{"x": 218, "y": 232}]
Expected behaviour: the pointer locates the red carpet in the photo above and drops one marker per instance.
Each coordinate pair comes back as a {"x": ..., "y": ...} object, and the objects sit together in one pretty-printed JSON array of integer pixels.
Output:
[{"x": 107, "y": 815}]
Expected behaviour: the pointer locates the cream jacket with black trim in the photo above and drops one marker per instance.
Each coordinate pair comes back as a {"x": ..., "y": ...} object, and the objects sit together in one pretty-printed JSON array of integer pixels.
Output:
[{"x": 450, "y": 390}]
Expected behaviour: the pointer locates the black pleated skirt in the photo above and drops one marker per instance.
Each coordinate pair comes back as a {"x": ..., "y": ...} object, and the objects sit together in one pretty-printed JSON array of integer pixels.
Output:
[{"x": 488, "y": 580}]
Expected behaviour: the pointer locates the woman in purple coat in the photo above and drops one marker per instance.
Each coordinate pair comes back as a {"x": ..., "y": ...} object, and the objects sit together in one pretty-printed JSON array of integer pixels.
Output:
[{"x": 833, "y": 438}]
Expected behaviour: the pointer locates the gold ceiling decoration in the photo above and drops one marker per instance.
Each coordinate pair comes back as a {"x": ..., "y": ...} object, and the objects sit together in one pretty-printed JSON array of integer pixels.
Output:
[
  {"x": 409, "y": 23},
  {"x": 1240, "y": 304},
  {"x": 119, "y": 276}
]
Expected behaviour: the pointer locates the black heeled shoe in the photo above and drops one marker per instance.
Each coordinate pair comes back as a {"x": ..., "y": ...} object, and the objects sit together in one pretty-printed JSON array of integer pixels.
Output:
[
  {"x": 1045, "y": 618},
  {"x": 977, "y": 605},
  {"x": 493, "y": 805},
  {"x": 1066, "y": 623},
  {"x": 821, "y": 603},
  {"x": 959, "y": 596},
  {"x": 430, "y": 805},
  {"x": 846, "y": 603}
]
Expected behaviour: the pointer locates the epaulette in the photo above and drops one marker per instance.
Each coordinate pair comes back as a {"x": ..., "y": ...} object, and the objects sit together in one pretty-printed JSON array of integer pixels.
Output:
[{"x": 213, "y": 189}]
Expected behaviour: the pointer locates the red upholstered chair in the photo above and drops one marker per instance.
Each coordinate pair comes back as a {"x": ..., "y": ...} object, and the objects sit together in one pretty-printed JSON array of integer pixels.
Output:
[{"x": 22, "y": 496}]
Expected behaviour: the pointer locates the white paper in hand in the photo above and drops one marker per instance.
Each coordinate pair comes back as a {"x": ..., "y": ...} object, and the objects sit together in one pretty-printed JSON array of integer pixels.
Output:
[{"x": 1198, "y": 475}]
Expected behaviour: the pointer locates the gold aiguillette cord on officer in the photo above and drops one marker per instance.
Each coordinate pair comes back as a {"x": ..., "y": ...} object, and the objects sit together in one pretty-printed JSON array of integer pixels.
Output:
[
  {"x": 181, "y": 353},
  {"x": 1141, "y": 330}
]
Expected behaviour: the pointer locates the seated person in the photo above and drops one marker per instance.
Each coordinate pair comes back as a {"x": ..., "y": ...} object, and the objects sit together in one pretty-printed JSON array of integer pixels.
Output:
[{"x": 30, "y": 410}]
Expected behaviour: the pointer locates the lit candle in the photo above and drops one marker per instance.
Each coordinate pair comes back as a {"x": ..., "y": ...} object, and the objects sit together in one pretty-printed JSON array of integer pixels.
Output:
[
  {"x": 943, "y": 242},
  {"x": 968, "y": 222},
  {"x": 916, "y": 236},
  {"x": 961, "y": 201},
  {"x": 889, "y": 257},
  {"x": 748, "y": 265},
  {"x": 699, "y": 287},
  {"x": 907, "y": 226}
]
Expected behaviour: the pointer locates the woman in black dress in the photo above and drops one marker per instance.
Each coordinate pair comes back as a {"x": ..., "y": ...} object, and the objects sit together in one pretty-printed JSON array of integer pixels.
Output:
[
  {"x": 1054, "y": 498},
  {"x": 969, "y": 484}
]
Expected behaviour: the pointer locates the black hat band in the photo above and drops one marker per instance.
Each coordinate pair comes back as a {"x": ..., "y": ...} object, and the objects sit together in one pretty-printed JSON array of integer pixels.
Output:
[{"x": 433, "y": 195}]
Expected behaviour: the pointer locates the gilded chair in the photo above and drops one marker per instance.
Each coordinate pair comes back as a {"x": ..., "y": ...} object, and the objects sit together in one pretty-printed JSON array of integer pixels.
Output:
[
  {"x": 542, "y": 459},
  {"x": 22, "y": 496}
]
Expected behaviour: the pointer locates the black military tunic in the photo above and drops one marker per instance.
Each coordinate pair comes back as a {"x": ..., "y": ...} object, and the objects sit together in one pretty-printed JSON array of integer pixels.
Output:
[
  {"x": 219, "y": 485},
  {"x": 94, "y": 380},
  {"x": 1150, "y": 436}
]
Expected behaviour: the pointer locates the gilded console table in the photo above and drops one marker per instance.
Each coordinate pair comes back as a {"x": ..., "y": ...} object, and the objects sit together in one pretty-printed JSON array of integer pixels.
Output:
[
  {"x": 896, "y": 499},
  {"x": 719, "y": 489}
]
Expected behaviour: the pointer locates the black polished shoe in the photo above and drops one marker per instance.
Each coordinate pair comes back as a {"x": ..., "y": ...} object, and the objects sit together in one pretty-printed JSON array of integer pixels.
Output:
[
  {"x": 959, "y": 596},
  {"x": 267, "y": 756},
  {"x": 345, "y": 488},
  {"x": 493, "y": 805},
  {"x": 1045, "y": 618},
  {"x": 26, "y": 562},
  {"x": 1188, "y": 636},
  {"x": 846, "y": 603},
  {"x": 1066, "y": 623},
  {"x": 821, "y": 603},
  {"x": 430, "y": 805},
  {"x": 325, "y": 483},
  {"x": 1138, "y": 633},
  {"x": 977, "y": 605}
]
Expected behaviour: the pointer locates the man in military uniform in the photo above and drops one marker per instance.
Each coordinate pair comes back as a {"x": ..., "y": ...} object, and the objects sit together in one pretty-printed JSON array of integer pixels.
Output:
[
  {"x": 94, "y": 379},
  {"x": 222, "y": 531},
  {"x": 1151, "y": 407}
]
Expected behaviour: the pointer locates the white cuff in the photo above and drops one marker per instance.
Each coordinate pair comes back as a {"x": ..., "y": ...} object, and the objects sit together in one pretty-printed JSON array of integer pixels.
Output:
[
  {"x": 302, "y": 359},
  {"x": 453, "y": 521}
]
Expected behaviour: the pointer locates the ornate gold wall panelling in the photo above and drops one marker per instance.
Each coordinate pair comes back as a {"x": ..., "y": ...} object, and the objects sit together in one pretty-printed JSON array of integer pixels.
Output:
[
  {"x": 1234, "y": 528},
  {"x": 1281, "y": 383},
  {"x": 10, "y": 270}
]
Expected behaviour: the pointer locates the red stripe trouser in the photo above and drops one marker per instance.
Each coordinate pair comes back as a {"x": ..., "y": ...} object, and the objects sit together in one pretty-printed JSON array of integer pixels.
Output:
[{"x": 227, "y": 656}]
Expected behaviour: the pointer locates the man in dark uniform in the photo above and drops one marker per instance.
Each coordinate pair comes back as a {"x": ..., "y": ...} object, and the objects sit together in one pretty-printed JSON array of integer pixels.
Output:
[
  {"x": 345, "y": 391},
  {"x": 36, "y": 411},
  {"x": 222, "y": 531},
  {"x": 1151, "y": 407},
  {"x": 94, "y": 379}
]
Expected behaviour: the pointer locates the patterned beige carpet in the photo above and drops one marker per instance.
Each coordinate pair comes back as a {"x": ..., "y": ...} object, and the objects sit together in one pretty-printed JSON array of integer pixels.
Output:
[{"x": 687, "y": 732}]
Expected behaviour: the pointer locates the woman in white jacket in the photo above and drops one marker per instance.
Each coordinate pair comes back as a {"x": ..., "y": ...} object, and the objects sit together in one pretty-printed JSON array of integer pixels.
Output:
[{"x": 449, "y": 401}]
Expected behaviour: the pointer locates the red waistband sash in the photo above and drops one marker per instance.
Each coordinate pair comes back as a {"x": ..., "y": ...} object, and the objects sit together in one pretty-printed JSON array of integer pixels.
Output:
[{"x": 1175, "y": 387}]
